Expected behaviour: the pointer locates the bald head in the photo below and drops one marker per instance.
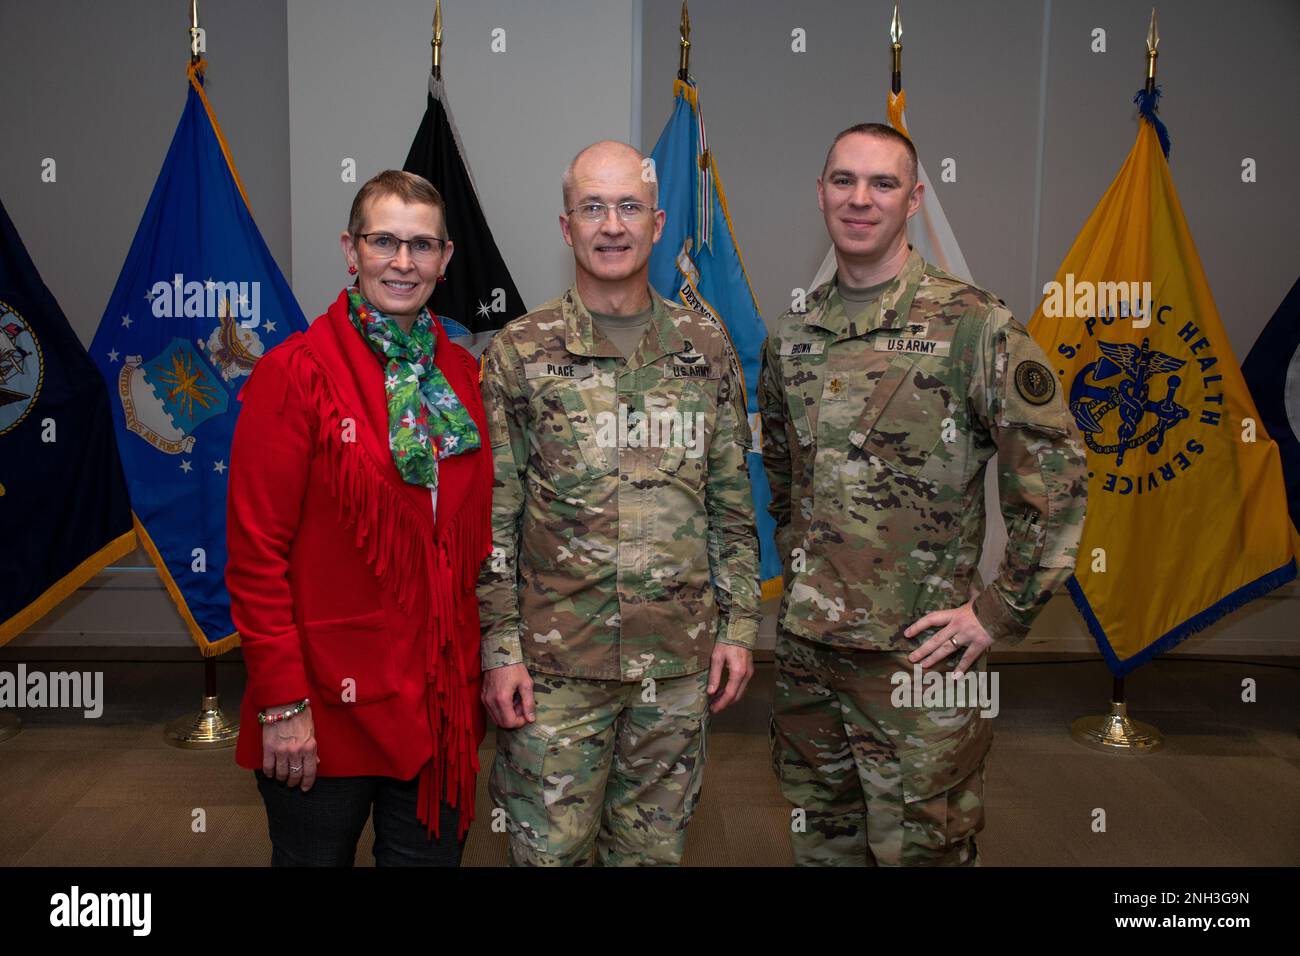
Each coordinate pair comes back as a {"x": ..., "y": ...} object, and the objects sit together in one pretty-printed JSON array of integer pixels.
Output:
[{"x": 600, "y": 160}]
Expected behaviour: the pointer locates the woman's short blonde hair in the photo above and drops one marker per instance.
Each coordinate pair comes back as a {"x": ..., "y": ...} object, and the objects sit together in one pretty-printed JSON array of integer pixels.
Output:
[{"x": 408, "y": 187}]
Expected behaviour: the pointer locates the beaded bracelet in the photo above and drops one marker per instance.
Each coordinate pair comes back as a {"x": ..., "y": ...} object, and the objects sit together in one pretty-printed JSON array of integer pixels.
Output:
[{"x": 294, "y": 711}]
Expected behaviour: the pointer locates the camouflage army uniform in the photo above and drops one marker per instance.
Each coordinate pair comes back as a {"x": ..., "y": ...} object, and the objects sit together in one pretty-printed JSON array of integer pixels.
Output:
[
  {"x": 614, "y": 571},
  {"x": 876, "y": 433}
]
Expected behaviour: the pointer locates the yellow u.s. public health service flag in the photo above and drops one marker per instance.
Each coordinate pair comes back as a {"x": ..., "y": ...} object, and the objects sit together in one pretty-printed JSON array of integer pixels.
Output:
[{"x": 1187, "y": 510}]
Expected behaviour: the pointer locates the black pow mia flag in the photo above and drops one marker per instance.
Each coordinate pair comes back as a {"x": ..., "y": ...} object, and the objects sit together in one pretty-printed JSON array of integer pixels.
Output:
[{"x": 478, "y": 293}]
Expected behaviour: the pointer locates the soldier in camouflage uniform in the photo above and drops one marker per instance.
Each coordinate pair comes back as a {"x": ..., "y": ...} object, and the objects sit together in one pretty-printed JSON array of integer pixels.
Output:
[
  {"x": 882, "y": 401},
  {"x": 623, "y": 579}
]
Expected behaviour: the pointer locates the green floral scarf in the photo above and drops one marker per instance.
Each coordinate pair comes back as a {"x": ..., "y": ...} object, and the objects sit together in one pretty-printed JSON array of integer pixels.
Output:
[{"x": 426, "y": 421}]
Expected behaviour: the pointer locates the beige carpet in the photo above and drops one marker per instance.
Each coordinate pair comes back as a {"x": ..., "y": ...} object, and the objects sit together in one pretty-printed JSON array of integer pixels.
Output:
[{"x": 1223, "y": 791}]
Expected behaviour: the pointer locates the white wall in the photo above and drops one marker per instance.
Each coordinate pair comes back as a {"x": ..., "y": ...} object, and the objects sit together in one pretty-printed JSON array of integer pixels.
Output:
[{"x": 357, "y": 86}]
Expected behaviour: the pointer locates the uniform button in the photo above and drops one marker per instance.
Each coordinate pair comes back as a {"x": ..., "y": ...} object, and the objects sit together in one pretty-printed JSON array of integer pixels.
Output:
[{"x": 580, "y": 466}]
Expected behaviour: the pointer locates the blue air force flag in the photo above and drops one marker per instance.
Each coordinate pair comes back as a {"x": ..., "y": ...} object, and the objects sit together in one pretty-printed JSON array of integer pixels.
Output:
[
  {"x": 697, "y": 262},
  {"x": 198, "y": 301}
]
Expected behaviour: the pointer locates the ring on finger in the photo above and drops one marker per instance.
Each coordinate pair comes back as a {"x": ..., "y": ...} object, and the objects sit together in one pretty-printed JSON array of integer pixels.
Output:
[{"x": 953, "y": 642}]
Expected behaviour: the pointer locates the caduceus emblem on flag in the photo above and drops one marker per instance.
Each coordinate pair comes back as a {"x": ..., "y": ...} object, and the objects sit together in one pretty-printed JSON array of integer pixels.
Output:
[{"x": 1091, "y": 401}]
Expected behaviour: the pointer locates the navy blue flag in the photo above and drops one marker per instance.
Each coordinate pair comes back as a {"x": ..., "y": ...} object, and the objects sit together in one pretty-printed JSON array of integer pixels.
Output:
[
  {"x": 198, "y": 301},
  {"x": 1272, "y": 371},
  {"x": 64, "y": 513}
]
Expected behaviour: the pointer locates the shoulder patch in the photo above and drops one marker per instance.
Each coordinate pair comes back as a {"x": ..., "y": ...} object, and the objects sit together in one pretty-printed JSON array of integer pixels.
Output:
[{"x": 1034, "y": 382}]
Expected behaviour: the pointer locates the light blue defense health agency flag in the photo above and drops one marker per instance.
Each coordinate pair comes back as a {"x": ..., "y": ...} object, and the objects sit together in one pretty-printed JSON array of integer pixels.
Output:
[
  {"x": 198, "y": 302},
  {"x": 697, "y": 262}
]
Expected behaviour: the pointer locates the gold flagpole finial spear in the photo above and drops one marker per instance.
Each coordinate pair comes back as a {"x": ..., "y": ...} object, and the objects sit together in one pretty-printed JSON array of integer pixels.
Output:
[
  {"x": 683, "y": 67},
  {"x": 194, "y": 32},
  {"x": 437, "y": 40},
  {"x": 896, "y": 36},
  {"x": 1153, "y": 41}
]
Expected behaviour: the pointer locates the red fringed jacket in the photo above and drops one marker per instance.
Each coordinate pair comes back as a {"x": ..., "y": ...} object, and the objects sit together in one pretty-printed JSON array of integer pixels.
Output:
[{"x": 342, "y": 586}]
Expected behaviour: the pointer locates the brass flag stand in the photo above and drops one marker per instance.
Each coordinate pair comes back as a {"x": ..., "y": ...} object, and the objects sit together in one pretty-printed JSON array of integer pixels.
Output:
[
  {"x": 210, "y": 728},
  {"x": 1117, "y": 732}
]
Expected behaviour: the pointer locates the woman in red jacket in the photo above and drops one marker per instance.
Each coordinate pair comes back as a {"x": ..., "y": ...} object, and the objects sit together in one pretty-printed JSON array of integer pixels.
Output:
[{"x": 359, "y": 512}]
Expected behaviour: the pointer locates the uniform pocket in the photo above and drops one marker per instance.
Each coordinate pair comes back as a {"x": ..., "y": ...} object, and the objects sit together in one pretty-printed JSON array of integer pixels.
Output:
[
  {"x": 568, "y": 437},
  {"x": 683, "y": 425},
  {"x": 351, "y": 659},
  {"x": 939, "y": 824},
  {"x": 943, "y": 788},
  {"x": 900, "y": 449},
  {"x": 797, "y": 405},
  {"x": 802, "y": 366},
  {"x": 1025, "y": 541},
  {"x": 902, "y": 422},
  {"x": 517, "y": 784}
]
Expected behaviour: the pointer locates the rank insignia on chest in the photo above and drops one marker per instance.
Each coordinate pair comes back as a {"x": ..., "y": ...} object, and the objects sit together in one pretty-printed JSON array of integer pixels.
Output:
[
  {"x": 534, "y": 370},
  {"x": 835, "y": 385}
]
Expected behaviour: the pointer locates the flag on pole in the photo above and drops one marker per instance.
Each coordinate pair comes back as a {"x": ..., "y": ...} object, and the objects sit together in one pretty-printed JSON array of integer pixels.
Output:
[
  {"x": 1184, "y": 504},
  {"x": 64, "y": 512},
  {"x": 1272, "y": 371},
  {"x": 198, "y": 301},
  {"x": 697, "y": 262},
  {"x": 928, "y": 231},
  {"x": 479, "y": 295}
]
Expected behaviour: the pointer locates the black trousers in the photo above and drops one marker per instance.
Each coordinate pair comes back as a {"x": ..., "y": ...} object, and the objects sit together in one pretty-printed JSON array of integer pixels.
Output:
[{"x": 322, "y": 826}]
